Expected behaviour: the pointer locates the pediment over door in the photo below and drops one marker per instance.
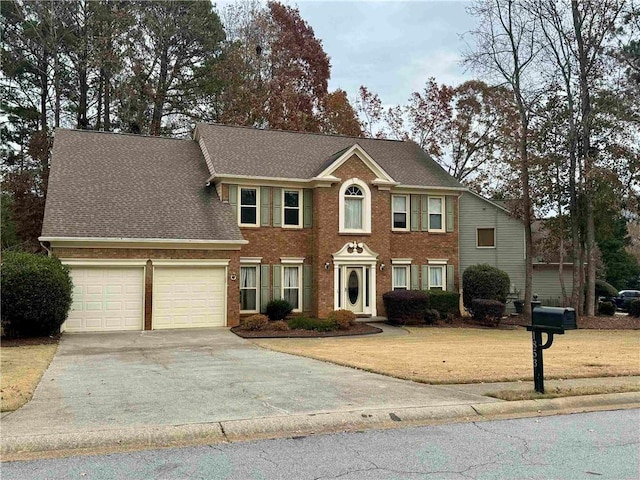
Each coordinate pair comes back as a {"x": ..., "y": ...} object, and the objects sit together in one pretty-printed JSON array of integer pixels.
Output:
[{"x": 354, "y": 251}]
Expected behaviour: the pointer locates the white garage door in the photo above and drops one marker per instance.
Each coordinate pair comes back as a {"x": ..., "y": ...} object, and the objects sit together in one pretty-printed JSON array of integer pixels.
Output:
[
  {"x": 106, "y": 299},
  {"x": 188, "y": 297}
]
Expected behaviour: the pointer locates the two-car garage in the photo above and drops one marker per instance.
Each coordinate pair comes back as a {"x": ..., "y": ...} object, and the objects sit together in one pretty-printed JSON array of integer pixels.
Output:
[{"x": 111, "y": 296}]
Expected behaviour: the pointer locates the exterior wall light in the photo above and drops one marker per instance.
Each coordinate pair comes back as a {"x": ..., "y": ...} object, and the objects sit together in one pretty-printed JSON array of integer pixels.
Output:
[
  {"x": 382, "y": 265},
  {"x": 327, "y": 265}
]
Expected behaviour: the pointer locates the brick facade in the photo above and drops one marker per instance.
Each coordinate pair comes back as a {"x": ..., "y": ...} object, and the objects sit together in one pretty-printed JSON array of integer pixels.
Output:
[{"x": 316, "y": 245}]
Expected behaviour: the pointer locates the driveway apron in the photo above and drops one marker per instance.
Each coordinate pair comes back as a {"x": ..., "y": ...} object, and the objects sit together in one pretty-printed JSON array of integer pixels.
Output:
[{"x": 116, "y": 380}]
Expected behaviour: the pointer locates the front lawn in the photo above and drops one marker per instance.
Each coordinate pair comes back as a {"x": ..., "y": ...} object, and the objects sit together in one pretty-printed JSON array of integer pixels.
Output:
[
  {"x": 471, "y": 355},
  {"x": 22, "y": 368}
]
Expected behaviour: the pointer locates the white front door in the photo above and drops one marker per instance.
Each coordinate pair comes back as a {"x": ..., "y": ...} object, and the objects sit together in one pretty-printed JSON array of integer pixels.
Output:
[{"x": 354, "y": 289}]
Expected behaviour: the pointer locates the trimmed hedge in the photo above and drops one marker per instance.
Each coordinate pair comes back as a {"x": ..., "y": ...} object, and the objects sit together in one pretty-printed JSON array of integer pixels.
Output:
[
  {"x": 604, "y": 289},
  {"x": 344, "y": 319},
  {"x": 606, "y": 308},
  {"x": 278, "y": 309},
  {"x": 406, "y": 307},
  {"x": 36, "y": 294},
  {"x": 484, "y": 282},
  {"x": 634, "y": 308},
  {"x": 306, "y": 323},
  {"x": 488, "y": 312},
  {"x": 446, "y": 303},
  {"x": 255, "y": 322}
]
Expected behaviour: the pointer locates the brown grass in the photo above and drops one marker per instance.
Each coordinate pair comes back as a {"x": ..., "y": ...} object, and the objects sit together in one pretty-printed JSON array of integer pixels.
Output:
[
  {"x": 22, "y": 368},
  {"x": 558, "y": 392},
  {"x": 466, "y": 355}
]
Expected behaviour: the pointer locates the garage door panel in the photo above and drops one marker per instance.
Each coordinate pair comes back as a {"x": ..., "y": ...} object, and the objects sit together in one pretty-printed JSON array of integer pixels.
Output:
[
  {"x": 188, "y": 297},
  {"x": 106, "y": 298}
]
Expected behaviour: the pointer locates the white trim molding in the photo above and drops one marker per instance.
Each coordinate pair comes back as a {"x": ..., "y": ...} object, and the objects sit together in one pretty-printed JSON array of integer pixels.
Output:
[
  {"x": 366, "y": 206},
  {"x": 401, "y": 261},
  {"x": 105, "y": 262},
  {"x": 291, "y": 260},
  {"x": 212, "y": 262},
  {"x": 251, "y": 260},
  {"x": 437, "y": 261},
  {"x": 382, "y": 177},
  {"x": 159, "y": 243}
]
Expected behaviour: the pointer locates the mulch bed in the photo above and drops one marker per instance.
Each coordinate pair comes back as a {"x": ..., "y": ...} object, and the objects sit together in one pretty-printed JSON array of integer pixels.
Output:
[
  {"x": 357, "y": 329},
  {"x": 20, "y": 342}
]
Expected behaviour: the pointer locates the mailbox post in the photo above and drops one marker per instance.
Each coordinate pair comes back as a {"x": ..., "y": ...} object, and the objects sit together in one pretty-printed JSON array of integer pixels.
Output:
[{"x": 549, "y": 320}]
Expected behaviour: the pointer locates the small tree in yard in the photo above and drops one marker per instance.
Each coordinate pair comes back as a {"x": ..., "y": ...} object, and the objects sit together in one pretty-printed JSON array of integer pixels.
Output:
[
  {"x": 484, "y": 282},
  {"x": 36, "y": 294}
]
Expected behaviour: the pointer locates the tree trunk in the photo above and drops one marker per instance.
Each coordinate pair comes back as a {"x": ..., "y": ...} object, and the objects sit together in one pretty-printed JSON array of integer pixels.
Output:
[
  {"x": 99, "y": 106},
  {"x": 585, "y": 143},
  {"x": 107, "y": 100},
  {"x": 563, "y": 287},
  {"x": 161, "y": 92},
  {"x": 526, "y": 201},
  {"x": 44, "y": 88}
]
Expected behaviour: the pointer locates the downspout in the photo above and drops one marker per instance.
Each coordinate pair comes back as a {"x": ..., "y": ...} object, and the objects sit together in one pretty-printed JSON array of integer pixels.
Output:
[{"x": 43, "y": 245}]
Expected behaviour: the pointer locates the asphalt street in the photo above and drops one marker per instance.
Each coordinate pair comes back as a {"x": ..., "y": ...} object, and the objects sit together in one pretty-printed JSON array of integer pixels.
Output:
[{"x": 588, "y": 445}]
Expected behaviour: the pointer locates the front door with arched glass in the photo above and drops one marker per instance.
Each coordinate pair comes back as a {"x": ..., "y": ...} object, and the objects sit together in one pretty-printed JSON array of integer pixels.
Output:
[{"x": 354, "y": 289}]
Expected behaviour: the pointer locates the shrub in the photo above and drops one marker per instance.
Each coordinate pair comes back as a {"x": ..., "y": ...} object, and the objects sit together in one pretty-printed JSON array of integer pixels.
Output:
[
  {"x": 305, "y": 323},
  {"x": 278, "y": 309},
  {"x": 278, "y": 326},
  {"x": 406, "y": 307},
  {"x": 36, "y": 294},
  {"x": 634, "y": 308},
  {"x": 606, "y": 308},
  {"x": 484, "y": 282},
  {"x": 255, "y": 322},
  {"x": 604, "y": 289},
  {"x": 344, "y": 319},
  {"x": 446, "y": 303},
  {"x": 488, "y": 312},
  {"x": 431, "y": 316}
]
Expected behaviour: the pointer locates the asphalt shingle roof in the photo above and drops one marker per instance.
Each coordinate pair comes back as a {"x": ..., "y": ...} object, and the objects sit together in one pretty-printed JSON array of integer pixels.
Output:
[
  {"x": 282, "y": 154},
  {"x": 130, "y": 186}
]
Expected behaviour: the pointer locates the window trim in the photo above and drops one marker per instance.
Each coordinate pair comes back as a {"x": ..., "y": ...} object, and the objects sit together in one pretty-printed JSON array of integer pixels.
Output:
[
  {"x": 407, "y": 277},
  {"x": 442, "y": 213},
  {"x": 282, "y": 287},
  {"x": 407, "y": 213},
  {"x": 247, "y": 187},
  {"x": 257, "y": 287},
  {"x": 443, "y": 268},
  {"x": 478, "y": 237},
  {"x": 299, "y": 207},
  {"x": 366, "y": 207}
]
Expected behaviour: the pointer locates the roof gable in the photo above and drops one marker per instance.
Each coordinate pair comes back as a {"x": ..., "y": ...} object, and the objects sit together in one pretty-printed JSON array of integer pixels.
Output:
[
  {"x": 382, "y": 177},
  {"x": 250, "y": 152}
]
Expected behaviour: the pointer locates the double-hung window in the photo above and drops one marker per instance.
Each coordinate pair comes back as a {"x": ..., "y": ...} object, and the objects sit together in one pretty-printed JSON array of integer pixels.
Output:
[
  {"x": 436, "y": 277},
  {"x": 436, "y": 214},
  {"x": 353, "y": 208},
  {"x": 401, "y": 278},
  {"x": 249, "y": 288},
  {"x": 400, "y": 212},
  {"x": 248, "y": 206},
  {"x": 291, "y": 286},
  {"x": 291, "y": 203}
]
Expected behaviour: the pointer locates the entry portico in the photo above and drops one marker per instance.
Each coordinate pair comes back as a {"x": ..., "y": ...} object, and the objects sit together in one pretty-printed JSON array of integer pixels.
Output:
[{"x": 355, "y": 278}]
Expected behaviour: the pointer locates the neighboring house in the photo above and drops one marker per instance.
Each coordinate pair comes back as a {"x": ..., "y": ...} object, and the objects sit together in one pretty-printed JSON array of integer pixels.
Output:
[
  {"x": 167, "y": 233},
  {"x": 489, "y": 234}
]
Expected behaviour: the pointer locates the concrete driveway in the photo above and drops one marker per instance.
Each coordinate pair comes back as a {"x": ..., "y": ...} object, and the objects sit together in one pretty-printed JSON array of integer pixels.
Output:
[{"x": 115, "y": 380}]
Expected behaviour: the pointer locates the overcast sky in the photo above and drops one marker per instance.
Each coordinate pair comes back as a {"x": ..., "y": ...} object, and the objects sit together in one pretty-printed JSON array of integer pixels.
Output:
[{"x": 392, "y": 47}]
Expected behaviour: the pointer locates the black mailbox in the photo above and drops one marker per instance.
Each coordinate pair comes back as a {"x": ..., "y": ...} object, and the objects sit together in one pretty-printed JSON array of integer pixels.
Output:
[{"x": 554, "y": 319}]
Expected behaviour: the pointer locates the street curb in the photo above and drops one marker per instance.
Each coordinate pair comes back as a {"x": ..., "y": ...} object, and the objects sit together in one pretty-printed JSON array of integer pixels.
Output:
[{"x": 14, "y": 447}]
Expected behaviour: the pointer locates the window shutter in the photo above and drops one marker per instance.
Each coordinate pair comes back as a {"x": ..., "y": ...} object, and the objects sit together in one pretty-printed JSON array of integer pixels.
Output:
[
  {"x": 415, "y": 284},
  {"x": 425, "y": 277},
  {"x": 277, "y": 274},
  {"x": 307, "y": 273},
  {"x": 277, "y": 207},
  {"x": 425, "y": 212},
  {"x": 450, "y": 217},
  {"x": 265, "y": 296},
  {"x": 307, "y": 214},
  {"x": 415, "y": 212},
  {"x": 233, "y": 198},
  {"x": 265, "y": 201},
  {"x": 451, "y": 278}
]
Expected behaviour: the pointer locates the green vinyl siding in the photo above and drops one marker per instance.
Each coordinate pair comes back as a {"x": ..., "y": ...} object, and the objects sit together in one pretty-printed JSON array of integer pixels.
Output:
[{"x": 546, "y": 283}]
